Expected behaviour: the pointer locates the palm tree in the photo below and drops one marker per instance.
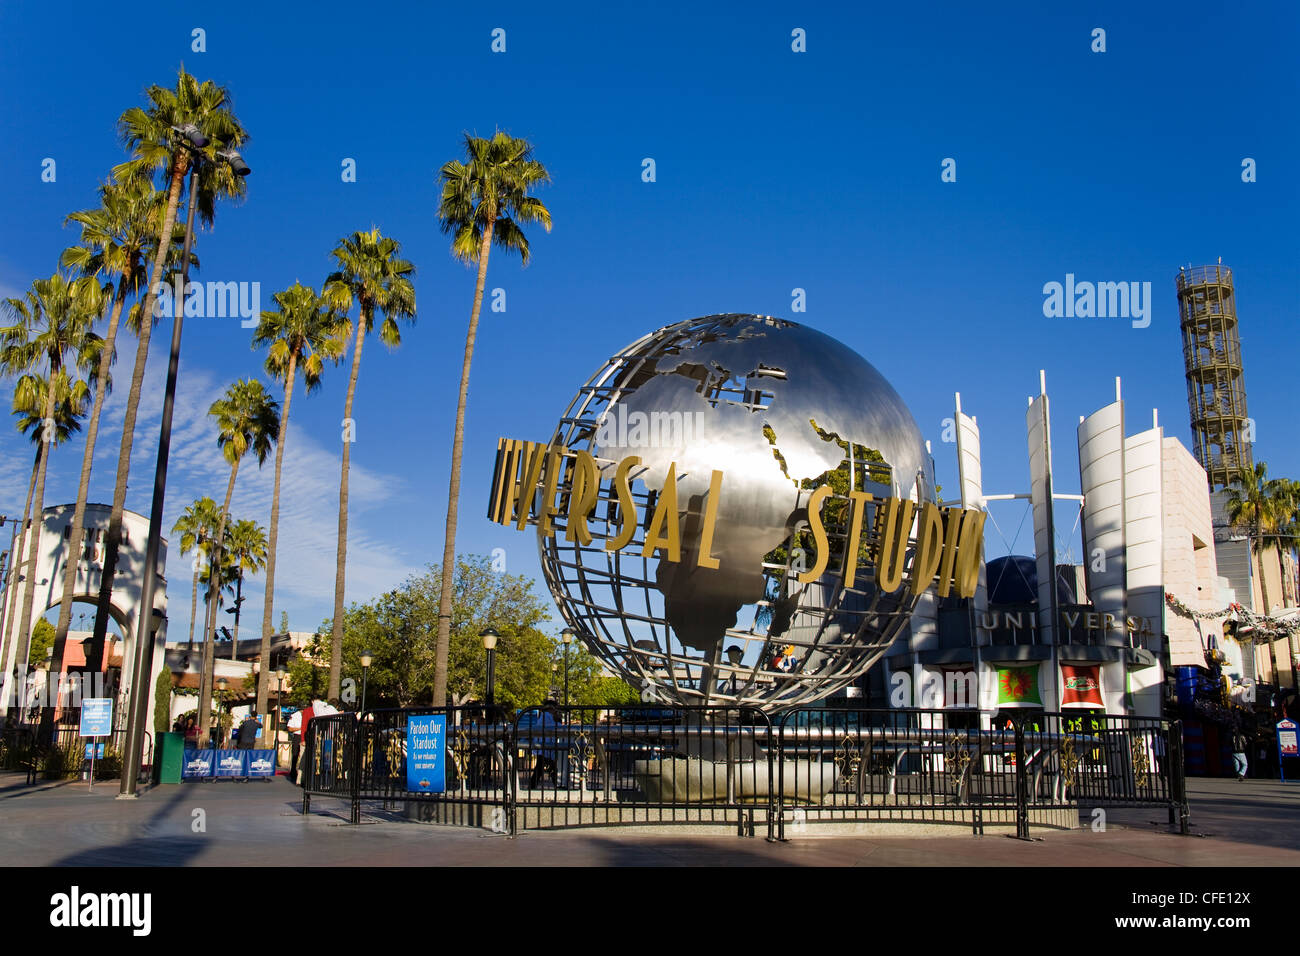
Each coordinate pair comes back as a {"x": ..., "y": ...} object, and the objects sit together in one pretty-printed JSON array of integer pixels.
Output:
[
  {"x": 246, "y": 552},
  {"x": 1264, "y": 508},
  {"x": 301, "y": 336},
  {"x": 52, "y": 333},
  {"x": 70, "y": 399},
  {"x": 159, "y": 146},
  {"x": 484, "y": 202},
  {"x": 196, "y": 526},
  {"x": 116, "y": 238},
  {"x": 248, "y": 419},
  {"x": 372, "y": 273}
]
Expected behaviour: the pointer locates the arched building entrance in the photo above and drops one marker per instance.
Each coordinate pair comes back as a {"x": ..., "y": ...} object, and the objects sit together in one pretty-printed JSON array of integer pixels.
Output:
[{"x": 51, "y": 564}]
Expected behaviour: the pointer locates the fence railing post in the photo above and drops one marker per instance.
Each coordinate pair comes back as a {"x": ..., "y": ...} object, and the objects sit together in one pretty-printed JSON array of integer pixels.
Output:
[
  {"x": 1178, "y": 775},
  {"x": 356, "y": 770},
  {"x": 1022, "y": 782},
  {"x": 309, "y": 755}
]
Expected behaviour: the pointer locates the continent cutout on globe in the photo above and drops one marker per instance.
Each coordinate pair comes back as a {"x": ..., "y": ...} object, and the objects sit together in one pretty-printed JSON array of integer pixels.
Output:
[{"x": 796, "y": 382}]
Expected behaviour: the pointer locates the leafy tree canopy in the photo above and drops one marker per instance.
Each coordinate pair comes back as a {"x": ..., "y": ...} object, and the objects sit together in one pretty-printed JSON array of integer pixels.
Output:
[{"x": 400, "y": 629}]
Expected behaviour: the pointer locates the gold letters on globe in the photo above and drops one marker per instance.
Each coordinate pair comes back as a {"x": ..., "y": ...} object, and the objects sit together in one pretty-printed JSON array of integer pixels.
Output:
[{"x": 534, "y": 483}]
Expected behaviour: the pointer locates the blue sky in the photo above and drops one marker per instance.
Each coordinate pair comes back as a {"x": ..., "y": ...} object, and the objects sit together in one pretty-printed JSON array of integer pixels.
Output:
[{"x": 775, "y": 170}]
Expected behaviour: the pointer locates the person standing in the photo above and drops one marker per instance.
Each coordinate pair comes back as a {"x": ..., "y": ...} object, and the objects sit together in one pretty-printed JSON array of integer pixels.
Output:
[
  {"x": 247, "y": 732},
  {"x": 1239, "y": 747},
  {"x": 304, "y": 719}
]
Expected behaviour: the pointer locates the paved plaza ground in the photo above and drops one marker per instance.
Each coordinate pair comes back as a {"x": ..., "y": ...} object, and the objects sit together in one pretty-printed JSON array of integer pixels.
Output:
[{"x": 1250, "y": 823}]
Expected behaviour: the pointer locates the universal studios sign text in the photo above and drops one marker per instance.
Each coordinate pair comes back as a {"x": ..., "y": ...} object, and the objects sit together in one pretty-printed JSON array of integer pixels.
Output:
[{"x": 536, "y": 483}]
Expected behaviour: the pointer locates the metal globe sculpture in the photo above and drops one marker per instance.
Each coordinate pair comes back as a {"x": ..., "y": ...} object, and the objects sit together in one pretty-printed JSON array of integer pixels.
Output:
[{"x": 781, "y": 410}]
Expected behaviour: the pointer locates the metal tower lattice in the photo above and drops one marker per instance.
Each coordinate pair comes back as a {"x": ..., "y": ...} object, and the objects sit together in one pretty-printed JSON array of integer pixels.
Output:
[{"x": 1216, "y": 385}]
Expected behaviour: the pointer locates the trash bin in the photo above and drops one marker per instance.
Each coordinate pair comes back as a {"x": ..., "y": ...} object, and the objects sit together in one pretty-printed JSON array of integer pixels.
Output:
[{"x": 169, "y": 758}]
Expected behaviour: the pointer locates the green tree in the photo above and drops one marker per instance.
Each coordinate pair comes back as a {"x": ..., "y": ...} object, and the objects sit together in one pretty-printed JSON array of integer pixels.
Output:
[
  {"x": 158, "y": 147},
  {"x": 162, "y": 702},
  {"x": 1266, "y": 510},
  {"x": 248, "y": 419},
  {"x": 372, "y": 274},
  {"x": 589, "y": 683},
  {"x": 52, "y": 333},
  {"x": 300, "y": 336},
  {"x": 42, "y": 641},
  {"x": 196, "y": 526},
  {"x": 400, "y": 629},
  {"x": 484, "y": 201},
  {"x": 246, "y": 552},
  {"x": 70, "y": 400}
]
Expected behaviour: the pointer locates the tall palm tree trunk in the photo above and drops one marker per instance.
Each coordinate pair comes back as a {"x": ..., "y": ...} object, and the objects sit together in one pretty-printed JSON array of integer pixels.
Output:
[
  {"x": 94, "y": 660},
  {"x": 214, "y": 595},
  {"x": 336, "y": 636},
  {"x": 112, "y": 540},
  {"x": 11, "y": 592},
  {"x": 194, "y": 598},
  {"x": 264, "y": 673},
  {"x": 29, "y": 590},
  {"x": 443, "y": 649}
]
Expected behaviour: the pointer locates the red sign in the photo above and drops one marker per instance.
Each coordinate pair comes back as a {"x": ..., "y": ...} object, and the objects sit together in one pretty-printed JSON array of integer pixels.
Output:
[{"x": 1081, "y": 685}]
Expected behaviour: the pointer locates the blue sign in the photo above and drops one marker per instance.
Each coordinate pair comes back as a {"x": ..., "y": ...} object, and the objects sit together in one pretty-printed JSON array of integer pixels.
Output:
[
  {"x": 96, "y": 750},
  {"x": 97, "y": 717},
  {"x": 260, "y": 763},
  {"x": 1288, "y": 743},
  {"x": 198, "y": 764},
  {"x": 426, "y": 739},
  {"x": 230, "y": 763}
]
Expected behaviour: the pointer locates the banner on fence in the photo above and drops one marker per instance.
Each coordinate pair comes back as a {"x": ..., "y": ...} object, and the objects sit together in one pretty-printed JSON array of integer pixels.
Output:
[
  {"x": 230, "y": 763},
  {"x": 426, "y": 738},
  {"x": 259, "y": 763},
  {"x": 198, "y": 764}
]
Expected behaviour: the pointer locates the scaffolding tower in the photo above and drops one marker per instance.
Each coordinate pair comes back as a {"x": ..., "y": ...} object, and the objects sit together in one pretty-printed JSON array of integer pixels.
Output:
[{"x": 1216, "y": 385}]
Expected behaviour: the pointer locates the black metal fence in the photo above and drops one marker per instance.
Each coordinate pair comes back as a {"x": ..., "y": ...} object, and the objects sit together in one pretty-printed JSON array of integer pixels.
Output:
[
  {"x": 64, "y": 756},
  {"x": 739, "y": 767}
]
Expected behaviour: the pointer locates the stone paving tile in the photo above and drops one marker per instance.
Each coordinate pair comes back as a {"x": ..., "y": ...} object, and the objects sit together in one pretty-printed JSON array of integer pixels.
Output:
[{"x": 257, "y": 824}]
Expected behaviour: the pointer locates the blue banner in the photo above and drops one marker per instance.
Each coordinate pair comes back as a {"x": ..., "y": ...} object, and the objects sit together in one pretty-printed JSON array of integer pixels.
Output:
[
  {"x": 96, "y": 749},
  {"x": 260, "y": 763},
  {"x": 198, "y": 764},
  {"x": 426, "y": 739},
  {"x": 231, "y": 763},
  {"x": 97, "y": 717}
]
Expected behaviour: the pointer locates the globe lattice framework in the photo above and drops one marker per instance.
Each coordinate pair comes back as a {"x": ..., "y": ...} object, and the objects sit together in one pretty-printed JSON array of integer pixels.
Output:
[{"x": 779, "y": 408}]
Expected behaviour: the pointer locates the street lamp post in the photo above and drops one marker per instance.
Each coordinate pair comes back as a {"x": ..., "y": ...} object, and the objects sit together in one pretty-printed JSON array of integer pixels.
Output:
[
  {"x": 280, "y": 673},
  {"x": 566, "y": 636},
  {"x": 490, "y": 636},
  {"x": 193, "y": 140},
  {"x": 221, "y": 689},
  {"x": 366, "y": 657}
]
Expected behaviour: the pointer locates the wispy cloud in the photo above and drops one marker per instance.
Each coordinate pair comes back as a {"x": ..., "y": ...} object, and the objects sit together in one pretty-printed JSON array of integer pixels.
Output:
[{"x": 308, "y": 507}]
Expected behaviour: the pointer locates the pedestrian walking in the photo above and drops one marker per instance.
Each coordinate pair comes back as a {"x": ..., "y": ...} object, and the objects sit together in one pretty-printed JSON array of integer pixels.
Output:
[{"x": 1239, "y": 747}]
